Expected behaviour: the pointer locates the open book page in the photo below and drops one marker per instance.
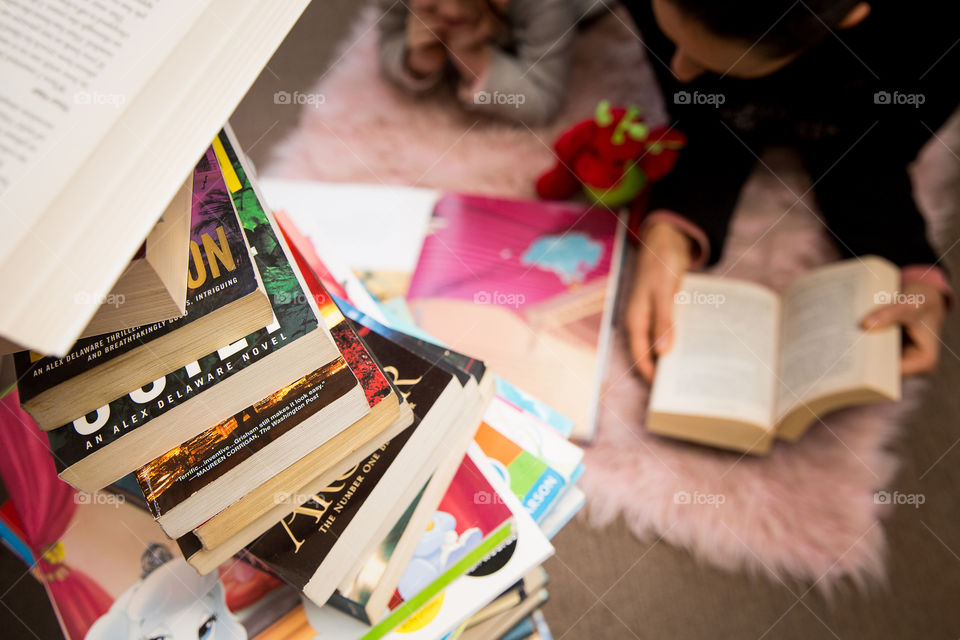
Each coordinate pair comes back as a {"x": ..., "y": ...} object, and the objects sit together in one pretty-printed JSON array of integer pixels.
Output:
[
  {"x": 69, "y": 69},
  {"x": 823, "y": 348},
  {"x": 724, "y": 354}
]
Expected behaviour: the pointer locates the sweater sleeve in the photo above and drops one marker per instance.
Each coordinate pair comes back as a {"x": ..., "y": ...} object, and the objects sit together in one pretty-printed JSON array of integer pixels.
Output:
[{"x": 392, "y": 49}]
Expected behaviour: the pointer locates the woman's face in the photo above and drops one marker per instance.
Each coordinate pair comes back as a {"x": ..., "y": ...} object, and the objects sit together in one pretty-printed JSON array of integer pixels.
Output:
[{"x": 700, "y": 51}]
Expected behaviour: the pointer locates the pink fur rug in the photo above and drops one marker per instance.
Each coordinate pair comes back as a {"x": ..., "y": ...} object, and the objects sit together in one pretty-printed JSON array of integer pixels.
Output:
[{"x": 807, "y": 511}]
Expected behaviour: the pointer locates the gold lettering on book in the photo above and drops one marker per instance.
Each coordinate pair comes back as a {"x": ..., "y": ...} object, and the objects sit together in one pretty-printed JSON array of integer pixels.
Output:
[
  {"x": 217, "y": 253},
  {"x": 334, "y": 487},
  {"x": 401, "y": 383}
]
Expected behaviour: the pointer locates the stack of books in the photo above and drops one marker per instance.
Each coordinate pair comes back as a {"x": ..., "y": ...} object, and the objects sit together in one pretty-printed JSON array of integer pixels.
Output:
[
  {"x": 398, "y": 485},
  {"x": 251, "y": 454}
]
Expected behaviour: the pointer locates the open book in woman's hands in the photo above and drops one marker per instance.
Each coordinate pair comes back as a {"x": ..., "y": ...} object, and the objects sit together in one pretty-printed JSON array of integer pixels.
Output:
[{"x": 748, "y": 365}]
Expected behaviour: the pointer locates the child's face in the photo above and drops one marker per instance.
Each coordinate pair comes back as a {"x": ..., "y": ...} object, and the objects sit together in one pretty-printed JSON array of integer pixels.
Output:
[{"x": 699, "y": 50}]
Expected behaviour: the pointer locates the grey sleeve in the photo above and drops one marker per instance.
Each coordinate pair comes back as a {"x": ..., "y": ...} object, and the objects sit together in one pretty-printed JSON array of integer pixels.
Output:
[
  {"x": 392, "y": 49},
  {"x": 528, "y": 85}
]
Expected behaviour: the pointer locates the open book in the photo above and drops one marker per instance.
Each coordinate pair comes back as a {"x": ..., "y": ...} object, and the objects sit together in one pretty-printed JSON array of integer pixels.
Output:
[
  {"x": 104, "y": 109},
  {"x": 748, "y": 365}
]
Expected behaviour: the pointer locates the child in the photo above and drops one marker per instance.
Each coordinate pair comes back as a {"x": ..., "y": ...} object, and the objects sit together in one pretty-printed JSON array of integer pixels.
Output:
[
  {"x": 856, "y": 88},
  {"x": 508, "y": 58}
]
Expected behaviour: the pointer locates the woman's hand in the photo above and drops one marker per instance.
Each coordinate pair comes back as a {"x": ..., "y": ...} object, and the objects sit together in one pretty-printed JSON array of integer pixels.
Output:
[
  {"x": 662, "y": 261},
  {"x": 920, "y": 310}
]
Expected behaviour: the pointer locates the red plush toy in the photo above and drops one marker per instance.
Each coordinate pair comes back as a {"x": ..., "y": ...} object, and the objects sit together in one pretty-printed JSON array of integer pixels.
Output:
[{"x": 611, "y": 157}]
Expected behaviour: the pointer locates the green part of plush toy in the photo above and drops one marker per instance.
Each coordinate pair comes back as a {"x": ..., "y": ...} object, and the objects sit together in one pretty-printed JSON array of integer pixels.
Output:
[{"x": 626, "y": 189}]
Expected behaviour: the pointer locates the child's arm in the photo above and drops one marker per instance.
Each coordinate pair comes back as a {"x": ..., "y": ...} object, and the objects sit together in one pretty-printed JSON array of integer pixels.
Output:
[
  {"x": 410, "y": 55},
  {"x": 528, "y": 85}
]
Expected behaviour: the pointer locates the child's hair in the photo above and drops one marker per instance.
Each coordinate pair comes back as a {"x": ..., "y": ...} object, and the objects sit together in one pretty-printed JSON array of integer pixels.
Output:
[{"x": 779, "y": 27}]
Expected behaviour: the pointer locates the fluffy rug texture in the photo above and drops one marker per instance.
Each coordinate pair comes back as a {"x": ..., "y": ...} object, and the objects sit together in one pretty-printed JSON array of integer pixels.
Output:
[{"x": 807, "y": 511}]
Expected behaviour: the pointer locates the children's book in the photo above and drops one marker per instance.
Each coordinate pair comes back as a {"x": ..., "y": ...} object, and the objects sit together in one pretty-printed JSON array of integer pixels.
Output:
[
  {"x": 456, "y": 592},
  {"x": 530, "y": 287}
]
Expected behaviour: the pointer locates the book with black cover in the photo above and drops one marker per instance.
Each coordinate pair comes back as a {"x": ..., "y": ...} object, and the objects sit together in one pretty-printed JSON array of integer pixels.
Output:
[
  {"x": 386, "y": 418},
  {"x": 316, "y": 542}
]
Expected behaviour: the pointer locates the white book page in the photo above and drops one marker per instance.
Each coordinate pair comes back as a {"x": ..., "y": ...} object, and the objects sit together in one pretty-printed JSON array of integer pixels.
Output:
[
  {"x": 823, "y": 348},
  {"x": 723, "y": 359},
  {"x": 69, "y": 68}
]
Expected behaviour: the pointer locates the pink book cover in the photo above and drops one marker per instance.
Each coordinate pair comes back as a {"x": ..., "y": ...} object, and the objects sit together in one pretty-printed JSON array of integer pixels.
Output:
[{"x": 528, "y": 287}]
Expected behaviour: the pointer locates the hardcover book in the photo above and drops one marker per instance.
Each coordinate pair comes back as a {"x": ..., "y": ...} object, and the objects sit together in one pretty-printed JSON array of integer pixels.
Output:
[
  {"x": 535, "y": 283},
  {"x": 95, "y": 449},
  {"x": 225, "y": 300}
]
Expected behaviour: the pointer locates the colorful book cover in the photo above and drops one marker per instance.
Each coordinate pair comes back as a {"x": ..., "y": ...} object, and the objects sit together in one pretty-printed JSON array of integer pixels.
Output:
[
  {"x": 176, "y": 475},
  {"x": 537, "y": 463},
  {"x": 179, "y": 473},
  {"x": 527, "y": 286},
  {"x": 297, "y": 546},
  {"x": 147, "y": 589},
  {"x": 219, "y": 272},
  {"x": 461, "y": 365},
  {"x": 460, "y": 592},
  {"x": 541, "y": 410},
  {"x": 295, "y": 318}
]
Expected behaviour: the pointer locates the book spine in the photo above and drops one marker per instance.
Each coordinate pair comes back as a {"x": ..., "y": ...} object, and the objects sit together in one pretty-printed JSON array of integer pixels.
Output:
[{"x": 350, "y": 607}]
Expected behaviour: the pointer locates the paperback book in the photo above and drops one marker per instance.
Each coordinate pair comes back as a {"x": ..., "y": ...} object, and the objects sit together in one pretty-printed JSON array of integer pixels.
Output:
[
  {"x": 95, "y": 449},
  {"x": 225, "y": 300}
]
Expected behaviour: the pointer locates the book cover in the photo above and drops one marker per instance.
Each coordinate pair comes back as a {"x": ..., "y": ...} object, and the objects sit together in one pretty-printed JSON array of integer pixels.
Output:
[
  {"x": 187, "y": 468},
  {"x": 461, "y": 365},
  {"x": 439, "y": 608},
  {"x": 536, "y": 462},
  {"x": 143, "y": 588},
  {"x": 527, "y": 286},
  {"x": 219, "y": 272},
  {"x": 295, "y": 318},
  {"x": 296, "y": 546},
  {"x": 176, "y": 475},
  {"x": 529, "y": 404}
]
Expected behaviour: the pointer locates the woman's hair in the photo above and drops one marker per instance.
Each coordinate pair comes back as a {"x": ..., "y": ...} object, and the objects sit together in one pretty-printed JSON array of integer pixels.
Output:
[{"x": 779, "y": 27}]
